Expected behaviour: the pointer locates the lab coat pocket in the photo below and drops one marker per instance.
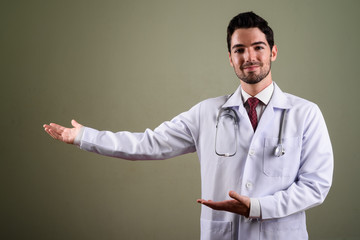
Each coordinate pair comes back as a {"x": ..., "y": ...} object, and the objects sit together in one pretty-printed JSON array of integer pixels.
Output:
[
  {"x": 289, "y": 223},
  {"x": 291, "y": 227},
  {"x": 216, "y": 230},
  {"x": 286, "y": 165}
]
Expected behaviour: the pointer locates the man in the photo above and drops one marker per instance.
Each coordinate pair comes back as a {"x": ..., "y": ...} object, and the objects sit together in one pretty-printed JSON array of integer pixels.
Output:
[{"x": 265, "y": 155}]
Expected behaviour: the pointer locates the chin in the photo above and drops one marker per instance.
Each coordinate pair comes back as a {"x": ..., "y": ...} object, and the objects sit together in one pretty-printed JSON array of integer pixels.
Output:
[{"x": 251, "y": 81}]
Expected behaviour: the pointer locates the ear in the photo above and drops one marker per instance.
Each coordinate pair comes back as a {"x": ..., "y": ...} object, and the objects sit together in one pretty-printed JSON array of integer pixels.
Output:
[
  {"x": 274, "y": 52},
  {"x": 231, "y": 62}
]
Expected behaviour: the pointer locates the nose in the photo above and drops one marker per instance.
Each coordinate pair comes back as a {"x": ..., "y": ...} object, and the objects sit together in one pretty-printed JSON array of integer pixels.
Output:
[{"x": 250, "y": 55}]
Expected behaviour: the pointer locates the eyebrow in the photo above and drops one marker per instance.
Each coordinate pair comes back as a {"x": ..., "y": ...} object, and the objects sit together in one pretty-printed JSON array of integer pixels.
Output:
[{"x": 253, "y": 44}]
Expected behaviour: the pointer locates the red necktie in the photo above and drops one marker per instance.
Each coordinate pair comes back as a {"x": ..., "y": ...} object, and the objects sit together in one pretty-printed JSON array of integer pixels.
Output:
[{"x": 253, "y": 102}]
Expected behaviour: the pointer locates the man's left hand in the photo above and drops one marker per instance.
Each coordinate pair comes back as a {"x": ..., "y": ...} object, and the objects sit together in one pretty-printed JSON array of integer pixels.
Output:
[{"x": 240, "y": 204}]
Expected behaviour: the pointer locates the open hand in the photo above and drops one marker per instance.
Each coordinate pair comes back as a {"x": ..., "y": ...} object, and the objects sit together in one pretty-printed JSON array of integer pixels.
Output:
[
  {"x": 240, "y": 204},
  {"x": 61, "y": 133}
]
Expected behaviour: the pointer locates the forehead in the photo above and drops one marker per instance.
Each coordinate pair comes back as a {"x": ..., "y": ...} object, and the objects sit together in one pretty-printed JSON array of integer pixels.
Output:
[{"x": 247, "y": 36}]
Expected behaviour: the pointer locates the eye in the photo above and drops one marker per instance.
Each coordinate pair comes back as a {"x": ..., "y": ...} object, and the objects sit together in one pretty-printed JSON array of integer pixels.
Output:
[
  {"x": 259, "y": 47},
  {"x": 239, "y": 50}
]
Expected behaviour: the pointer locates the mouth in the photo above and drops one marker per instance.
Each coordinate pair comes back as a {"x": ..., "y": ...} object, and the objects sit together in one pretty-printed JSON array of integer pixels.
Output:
[{"x": 251, "y": 68}]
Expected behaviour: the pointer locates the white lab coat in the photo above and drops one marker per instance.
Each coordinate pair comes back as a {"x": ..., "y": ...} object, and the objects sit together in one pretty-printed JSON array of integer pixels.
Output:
[{"x": 285, "y": 186}]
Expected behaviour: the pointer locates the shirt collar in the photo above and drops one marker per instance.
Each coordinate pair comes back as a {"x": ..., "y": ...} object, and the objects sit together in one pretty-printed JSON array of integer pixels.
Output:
[
  {"x": 277, "y": 100},
  {"x": 264, "y": 96}
]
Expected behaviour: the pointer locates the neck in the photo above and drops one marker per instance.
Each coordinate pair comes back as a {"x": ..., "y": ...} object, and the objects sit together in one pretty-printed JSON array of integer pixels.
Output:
[{"x": 254, "y": 89}]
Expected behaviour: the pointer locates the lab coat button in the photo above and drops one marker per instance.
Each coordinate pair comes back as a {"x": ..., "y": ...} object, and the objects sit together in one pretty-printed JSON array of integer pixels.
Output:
[
  {"x": 252, "y": 152},
  {"x": 249, "y": 185}
]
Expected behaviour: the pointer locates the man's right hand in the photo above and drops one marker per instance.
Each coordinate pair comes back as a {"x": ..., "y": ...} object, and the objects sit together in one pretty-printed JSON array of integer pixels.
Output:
[{"x": 63, "y": 134}]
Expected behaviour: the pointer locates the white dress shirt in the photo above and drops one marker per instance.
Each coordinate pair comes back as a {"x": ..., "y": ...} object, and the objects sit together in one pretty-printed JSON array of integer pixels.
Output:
[{"x": 264, "y": 96}]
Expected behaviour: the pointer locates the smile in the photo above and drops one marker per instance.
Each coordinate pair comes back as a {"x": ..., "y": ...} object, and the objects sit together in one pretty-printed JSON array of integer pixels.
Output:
[{"x": 251, "y": 68}]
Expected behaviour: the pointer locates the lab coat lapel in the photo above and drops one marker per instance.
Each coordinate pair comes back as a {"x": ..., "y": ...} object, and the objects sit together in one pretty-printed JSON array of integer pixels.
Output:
[
  {"x": 278, "y": 100},
  {"x": 235, "y": 101}
]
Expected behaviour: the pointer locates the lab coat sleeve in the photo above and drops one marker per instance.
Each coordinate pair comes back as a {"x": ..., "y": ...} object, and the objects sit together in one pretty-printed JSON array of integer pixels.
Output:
[
  {"x": 170, "y": 139},
  {"x": 314, "y": 176}
]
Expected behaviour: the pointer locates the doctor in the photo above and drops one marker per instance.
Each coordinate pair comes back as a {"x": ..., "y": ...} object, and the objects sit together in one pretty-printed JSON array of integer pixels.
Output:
[{"x": 265, "y": 155}]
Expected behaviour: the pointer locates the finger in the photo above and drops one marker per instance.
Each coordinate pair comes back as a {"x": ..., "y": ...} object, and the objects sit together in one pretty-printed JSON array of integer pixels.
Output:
[
  {"x": 201, "y": 201},
  {"x": 55, "y": 134},
  {"x": 47, "y": 127},
  {"x": 205, "y": 202},
  {"x": 210, "y": 204},
  {"x": 49, "y": 132},
  {"x": 222, "y": 205},
  {"x": 75, "y": 123},
  {"x": 57, "y": 126}
]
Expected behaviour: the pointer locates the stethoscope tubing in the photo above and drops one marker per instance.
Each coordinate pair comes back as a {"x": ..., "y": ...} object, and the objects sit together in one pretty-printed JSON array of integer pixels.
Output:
[
  {"x": 236, "y": 124},
  {"x": 279, "y": 150}
]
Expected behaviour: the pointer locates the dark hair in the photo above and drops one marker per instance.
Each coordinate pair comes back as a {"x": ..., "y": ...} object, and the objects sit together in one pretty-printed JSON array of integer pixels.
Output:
[{"x": 249, "y": 20}]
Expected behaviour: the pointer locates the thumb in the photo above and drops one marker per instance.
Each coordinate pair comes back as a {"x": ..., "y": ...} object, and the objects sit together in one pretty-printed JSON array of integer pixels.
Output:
[
  {"x": 242, "y": 199},
  {"x": 75, "y": 124},
  {"x": 236, "y": 196}
]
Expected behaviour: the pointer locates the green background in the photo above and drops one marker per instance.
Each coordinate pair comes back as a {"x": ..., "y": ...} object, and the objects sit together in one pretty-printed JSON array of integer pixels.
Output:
[{"x": 129, "y": 65}]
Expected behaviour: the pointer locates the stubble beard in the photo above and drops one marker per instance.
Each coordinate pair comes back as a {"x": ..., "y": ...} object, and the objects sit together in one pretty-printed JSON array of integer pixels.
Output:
[{"x": 252, "y": 77}]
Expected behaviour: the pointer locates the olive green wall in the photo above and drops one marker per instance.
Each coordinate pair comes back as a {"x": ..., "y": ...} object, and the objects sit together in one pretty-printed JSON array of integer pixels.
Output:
[{"x": 129, "y": 65}]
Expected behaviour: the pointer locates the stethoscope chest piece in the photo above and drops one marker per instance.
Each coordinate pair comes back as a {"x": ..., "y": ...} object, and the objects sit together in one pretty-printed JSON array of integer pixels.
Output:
[{"x": 279, "y": 150}]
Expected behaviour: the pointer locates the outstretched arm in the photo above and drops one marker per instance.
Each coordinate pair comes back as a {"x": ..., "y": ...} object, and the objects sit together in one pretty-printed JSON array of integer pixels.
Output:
[{"x": 66, "y": 135}]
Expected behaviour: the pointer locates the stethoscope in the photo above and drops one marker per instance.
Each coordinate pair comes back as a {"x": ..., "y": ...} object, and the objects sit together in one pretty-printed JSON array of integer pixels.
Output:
[{"x": 231, "y": 114}]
